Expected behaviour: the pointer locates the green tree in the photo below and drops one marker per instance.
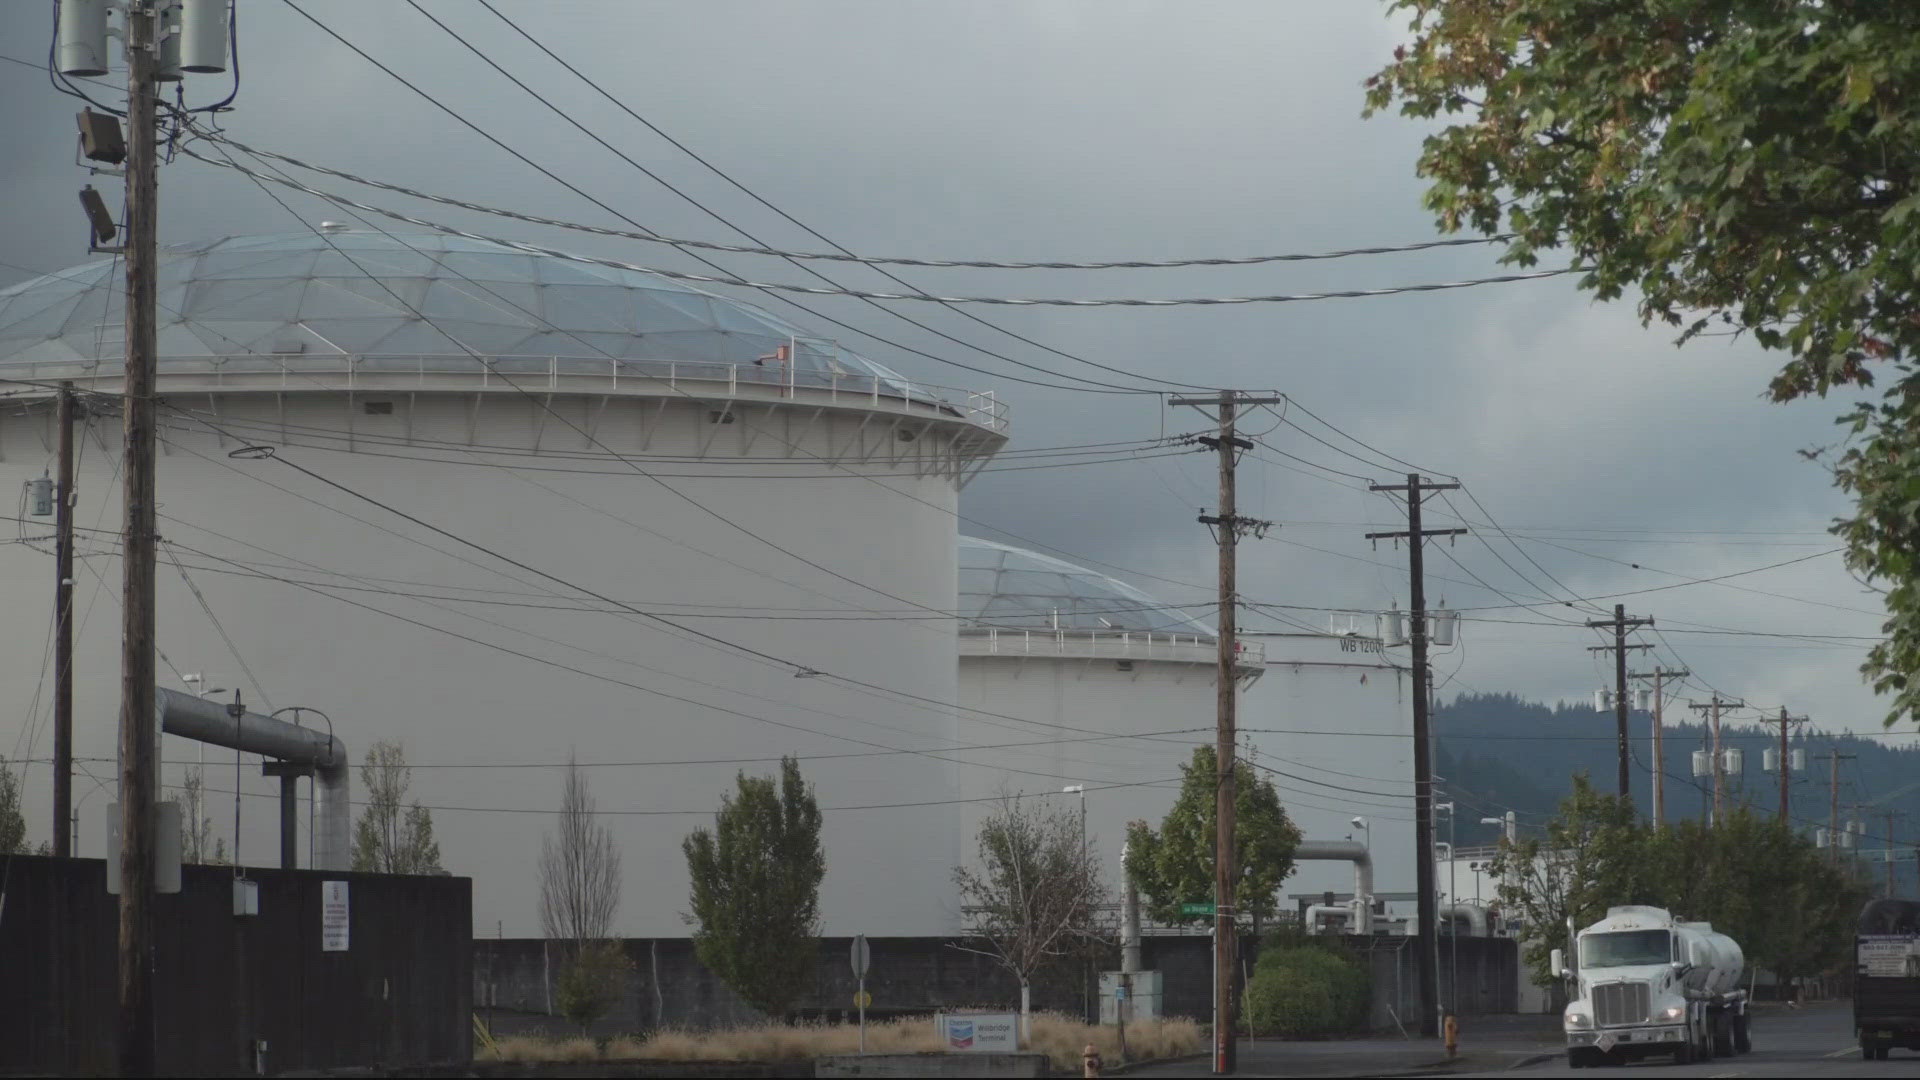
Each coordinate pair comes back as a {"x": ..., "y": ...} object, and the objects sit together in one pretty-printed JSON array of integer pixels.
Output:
[
  {"x": 1733, "y": 162},
  {"x": 392, "y": 837},
  {"x": 1588, "y": 858},
  {"x": 591, "y": 983},
  {"x": 1790, "y": 908},
  {"x": 13, "y": 822},
  {"x": 1035, "y": 895},
  {"x": 756, "y": 888},
  {"x": 1174, "y": 866}
]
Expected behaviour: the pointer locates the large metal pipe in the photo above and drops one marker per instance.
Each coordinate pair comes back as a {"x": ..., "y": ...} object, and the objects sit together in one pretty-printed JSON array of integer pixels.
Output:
[
  {"x": 1346, "y": 851},
  {"x": 208, "y": 721}
]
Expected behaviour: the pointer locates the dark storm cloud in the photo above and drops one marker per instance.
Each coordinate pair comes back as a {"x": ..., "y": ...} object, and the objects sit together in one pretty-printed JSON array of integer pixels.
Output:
[{"x": 1077, "y": 130}]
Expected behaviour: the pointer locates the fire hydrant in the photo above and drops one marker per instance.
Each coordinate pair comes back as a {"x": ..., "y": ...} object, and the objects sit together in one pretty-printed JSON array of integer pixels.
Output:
[
  {"x": 1452, "y": 1033},
  {"x": 1090, "y": 1061}
]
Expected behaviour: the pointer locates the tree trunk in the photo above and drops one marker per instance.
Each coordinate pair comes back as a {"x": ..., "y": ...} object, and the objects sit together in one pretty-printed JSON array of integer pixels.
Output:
[{"x": 1026, "y": 1011}]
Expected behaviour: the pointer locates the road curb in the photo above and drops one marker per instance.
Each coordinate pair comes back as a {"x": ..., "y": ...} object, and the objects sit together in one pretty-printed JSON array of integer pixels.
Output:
[{"x": 1534, "y": 1059}]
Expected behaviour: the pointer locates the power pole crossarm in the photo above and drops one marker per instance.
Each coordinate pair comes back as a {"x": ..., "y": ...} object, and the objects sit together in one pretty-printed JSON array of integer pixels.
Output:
[
  {"x": 1620, "y": 624},
  {"x": 1228, "y": 527},
  {"x": 1713, "y": 709},
  {"x": 1659, "y": 675}
]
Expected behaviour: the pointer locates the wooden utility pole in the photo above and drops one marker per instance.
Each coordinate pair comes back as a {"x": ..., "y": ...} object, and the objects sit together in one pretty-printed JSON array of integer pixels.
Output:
[
  {"x": 1620, "y": 624},
  {"x": 1891, "y": 815},
  {"x": 1659, "y": 675},
  {"x": 1416, "y": 490},
  {"x": 1712, "y": 708},
  {"x": 1786, "y": 767},
  {"x": 1228, "y": 525},
  {"x": 1834, "y": 757},
  {"x": 63, "y": 631},
  {"x": 136, "y": 1027}
]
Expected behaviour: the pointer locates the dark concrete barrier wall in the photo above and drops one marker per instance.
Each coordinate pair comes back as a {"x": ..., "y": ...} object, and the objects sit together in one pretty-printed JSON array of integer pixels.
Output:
[
  {"x": 401, "y": 993},
  {"x": 670, "y": 988}
]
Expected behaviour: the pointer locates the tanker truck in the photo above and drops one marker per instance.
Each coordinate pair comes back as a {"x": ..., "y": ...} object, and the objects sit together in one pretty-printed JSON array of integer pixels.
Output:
[{"x": 1646, "y": 984}]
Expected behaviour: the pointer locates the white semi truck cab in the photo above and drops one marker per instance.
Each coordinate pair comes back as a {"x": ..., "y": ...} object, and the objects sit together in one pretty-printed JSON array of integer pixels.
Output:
[{"x": 1646, "y": 983}]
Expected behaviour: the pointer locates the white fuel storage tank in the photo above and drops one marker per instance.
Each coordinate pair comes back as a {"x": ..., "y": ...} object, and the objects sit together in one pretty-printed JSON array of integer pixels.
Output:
[{"x": 656, "y": 528}]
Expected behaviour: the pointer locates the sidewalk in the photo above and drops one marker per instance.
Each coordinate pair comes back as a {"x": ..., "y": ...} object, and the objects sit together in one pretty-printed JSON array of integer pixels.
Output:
[{"x": 1487, "y": 1044}]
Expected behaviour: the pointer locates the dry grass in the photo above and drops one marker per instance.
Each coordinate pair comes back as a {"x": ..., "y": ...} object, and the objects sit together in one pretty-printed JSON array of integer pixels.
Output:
[{"x": 1059, "y": 1037}]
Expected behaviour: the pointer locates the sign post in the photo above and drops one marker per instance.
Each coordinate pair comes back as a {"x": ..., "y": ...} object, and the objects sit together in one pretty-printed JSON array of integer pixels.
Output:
[{"x": 862, "y": 956}]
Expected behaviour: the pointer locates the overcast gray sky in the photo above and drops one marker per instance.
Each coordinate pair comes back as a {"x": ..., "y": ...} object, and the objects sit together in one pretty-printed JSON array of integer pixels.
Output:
[{"x": 1116, "y": 129}]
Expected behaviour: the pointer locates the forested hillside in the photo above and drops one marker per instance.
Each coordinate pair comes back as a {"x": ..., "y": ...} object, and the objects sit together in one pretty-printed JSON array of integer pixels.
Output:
[{"x": 1497, "y": 752}]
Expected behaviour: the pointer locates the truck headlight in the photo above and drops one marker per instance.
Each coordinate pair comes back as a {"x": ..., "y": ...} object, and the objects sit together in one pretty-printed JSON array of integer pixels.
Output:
[
  {"x": 1673, "y": 1012},
  {"x": 1578, "y": 1020}
]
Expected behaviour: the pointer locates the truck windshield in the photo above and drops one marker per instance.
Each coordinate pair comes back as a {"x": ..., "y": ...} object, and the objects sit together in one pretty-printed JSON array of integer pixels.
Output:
[{"x": 1625, "y": 948}]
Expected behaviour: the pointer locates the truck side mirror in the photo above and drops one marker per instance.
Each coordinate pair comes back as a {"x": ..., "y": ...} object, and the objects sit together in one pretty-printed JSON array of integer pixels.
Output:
[
  {"x": 1680, "y": 967},
  {"x": 1557, "y": 961}
]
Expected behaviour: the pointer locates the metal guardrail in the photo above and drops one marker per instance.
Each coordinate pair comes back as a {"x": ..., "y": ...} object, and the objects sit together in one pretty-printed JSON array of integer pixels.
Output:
[{"x": 377, "y": 371}]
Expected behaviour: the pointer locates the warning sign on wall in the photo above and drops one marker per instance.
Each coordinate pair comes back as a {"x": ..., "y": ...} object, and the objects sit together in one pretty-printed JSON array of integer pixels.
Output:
[{"x": 335, "y": 916}]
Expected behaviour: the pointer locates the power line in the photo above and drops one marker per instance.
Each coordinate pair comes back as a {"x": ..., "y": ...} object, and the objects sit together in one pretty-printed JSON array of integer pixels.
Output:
[
  {"x": 844, "y": 256},
  {"x": 803, "y": 226},
  {"x": 869, "y": 294},
  {"x": 1092, "y": 387}
]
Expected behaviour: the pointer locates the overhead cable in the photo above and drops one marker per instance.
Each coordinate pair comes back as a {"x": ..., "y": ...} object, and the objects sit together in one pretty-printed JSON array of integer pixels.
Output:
[
  {"x": 1091, "y": 385},
  {"x": 867, "y": 294},
  {"x": 834, "y": 256}
]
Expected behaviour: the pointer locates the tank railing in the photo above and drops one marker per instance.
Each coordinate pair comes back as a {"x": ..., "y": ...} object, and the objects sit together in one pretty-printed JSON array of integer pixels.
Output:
[
  {"x": 377, "y": 371},
  {"x": 1118, "y": 644}
]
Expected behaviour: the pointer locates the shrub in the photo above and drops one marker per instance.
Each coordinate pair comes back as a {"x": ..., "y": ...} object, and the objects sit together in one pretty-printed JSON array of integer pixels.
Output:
[
  {"x": 1307, "y": 991},
  {"x": 591, "y": 983}
]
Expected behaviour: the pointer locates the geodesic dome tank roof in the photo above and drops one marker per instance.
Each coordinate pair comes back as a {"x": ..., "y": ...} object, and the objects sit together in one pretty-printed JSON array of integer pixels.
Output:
[
  {"x": 381, "y": 297},
  {"x": 1010, "y": 588}
]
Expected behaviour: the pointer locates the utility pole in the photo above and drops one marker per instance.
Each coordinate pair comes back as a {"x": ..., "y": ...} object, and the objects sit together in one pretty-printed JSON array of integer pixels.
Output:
[
  {"x": 1620, "y": 624},
  {"x": 136, "y": 1027},
  {"x": 1227, "y": 527},
  {"x": 1713, "y": 707},
  {"x": 1786, "y": 769},
  {"x": 63, "y": 631},
  {"x": 1891, "y": 815},
  {"x": 1834, "y": 757},
  {"x": 1416, "y": 491},
  {"x": 1659, "y": 675}
]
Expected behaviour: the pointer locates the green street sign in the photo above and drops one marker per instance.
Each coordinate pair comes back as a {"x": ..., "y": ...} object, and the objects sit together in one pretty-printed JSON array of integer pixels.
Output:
[{"x": 1196, "y": 909}]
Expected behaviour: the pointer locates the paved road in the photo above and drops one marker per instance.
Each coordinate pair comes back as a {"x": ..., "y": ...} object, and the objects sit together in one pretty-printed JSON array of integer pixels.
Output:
[{"x": 1815, "y": 1041}]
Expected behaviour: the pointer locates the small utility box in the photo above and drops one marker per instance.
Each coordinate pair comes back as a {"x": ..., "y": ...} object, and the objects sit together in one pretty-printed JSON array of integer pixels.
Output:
[
  {"x": 246, "y": 896},
  {"x": 1142, "y": 998}
]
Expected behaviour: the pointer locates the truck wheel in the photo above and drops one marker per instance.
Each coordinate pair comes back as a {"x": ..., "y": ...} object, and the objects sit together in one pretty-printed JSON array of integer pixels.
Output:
[
  {"x": 1576, "y": 1060},
  {"x": 1742, "y": 1034},
  {"x": 1869, "y": 1051},
  {"x": 1685, "y": 1055},
  {"x": 1722, "y": 1040}
]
